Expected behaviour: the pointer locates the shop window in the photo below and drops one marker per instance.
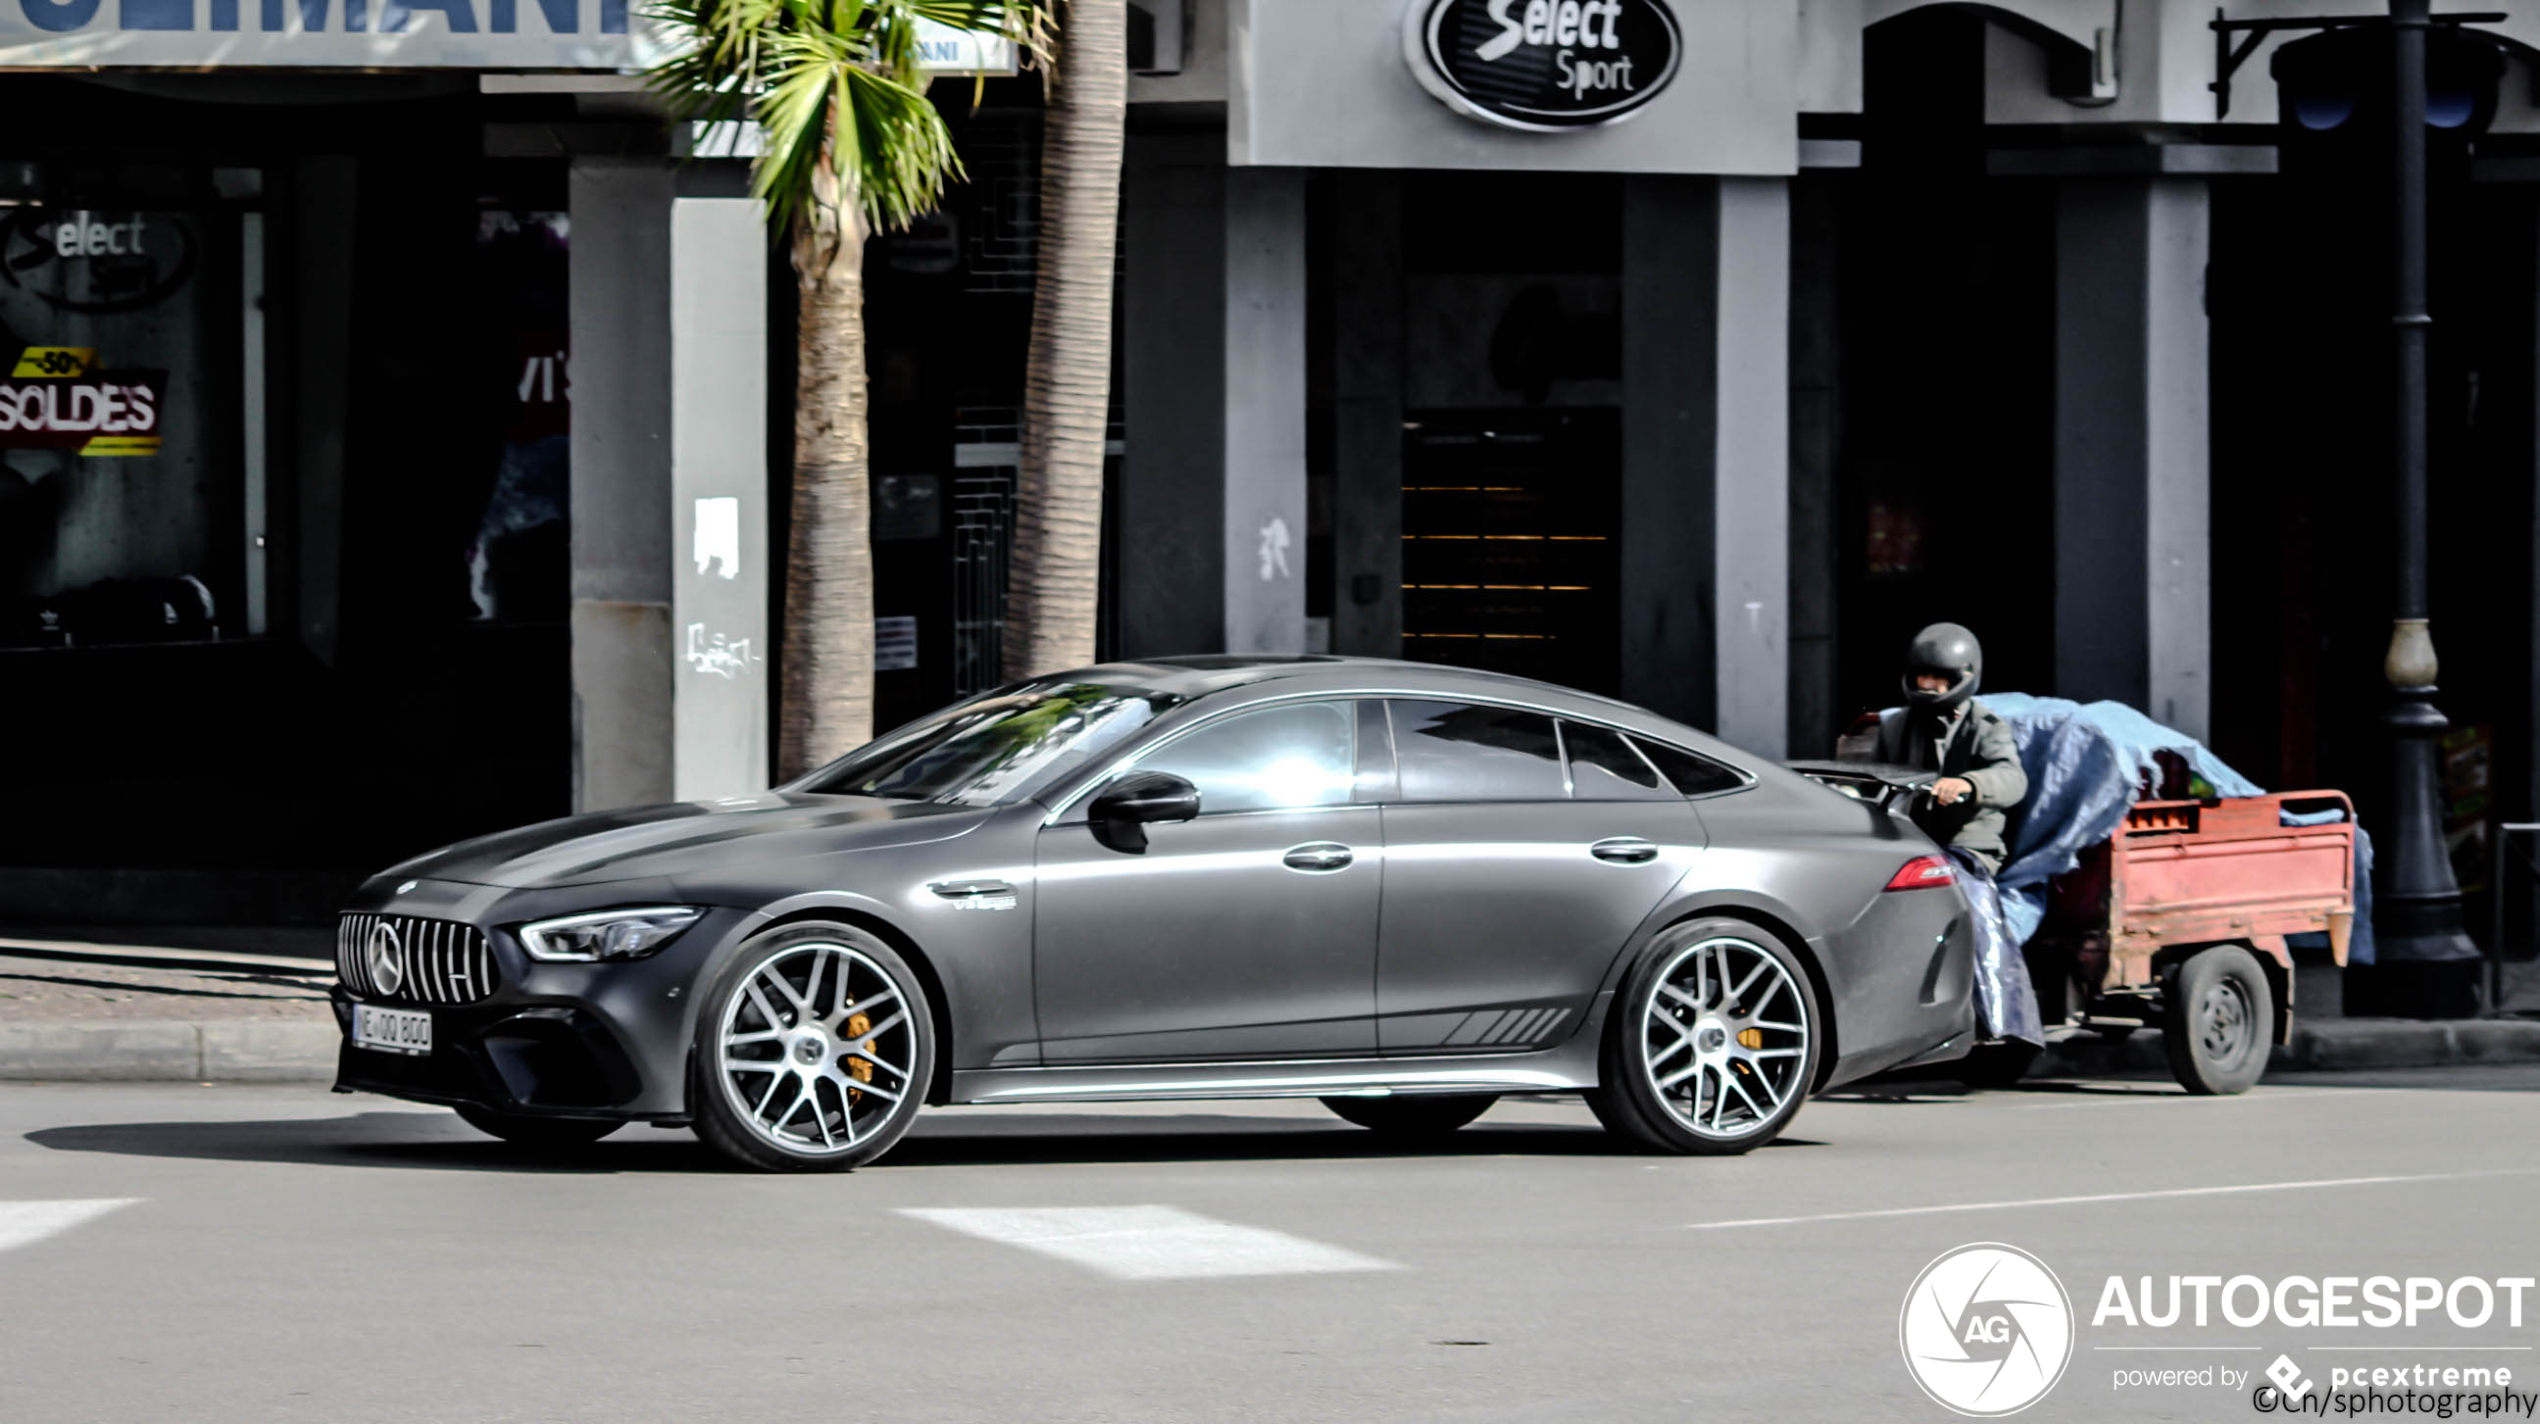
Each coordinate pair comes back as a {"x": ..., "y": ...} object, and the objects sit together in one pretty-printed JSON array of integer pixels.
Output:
[
  {"x": 130, "y": 350},
  {"x": 519, "y": 560}
]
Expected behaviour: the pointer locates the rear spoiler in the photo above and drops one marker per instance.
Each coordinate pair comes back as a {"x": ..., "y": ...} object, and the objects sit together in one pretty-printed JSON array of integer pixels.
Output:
[{"x": 1877, "y": 783}]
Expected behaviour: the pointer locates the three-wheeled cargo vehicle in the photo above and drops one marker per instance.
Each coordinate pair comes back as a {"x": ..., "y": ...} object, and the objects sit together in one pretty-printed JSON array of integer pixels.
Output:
[{"x": 2178, "y": 921}]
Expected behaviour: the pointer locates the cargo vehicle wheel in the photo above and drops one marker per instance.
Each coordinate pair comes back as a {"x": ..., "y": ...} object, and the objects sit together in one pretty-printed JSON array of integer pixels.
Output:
[
  {"x": 814, "y": 1048},
  {"x": 2216, "y": 1018},
  {"x": 1712, "y": 1043},
  {"x": 1412, "y": 1118},
  {"x": 537, "y": 1131}
]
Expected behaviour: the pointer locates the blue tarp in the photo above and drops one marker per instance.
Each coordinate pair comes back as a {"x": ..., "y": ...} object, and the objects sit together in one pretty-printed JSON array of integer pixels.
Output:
[
  {"x": 2084, "y": 761},
  {"x": 2006, "y": 1002}
]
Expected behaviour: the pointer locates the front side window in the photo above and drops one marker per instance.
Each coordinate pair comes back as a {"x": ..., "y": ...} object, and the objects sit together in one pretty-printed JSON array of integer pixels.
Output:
[
  {"x": 1274, "y": 759},
  {"x": 994, "y": 749},
  {"x": 1455, "y": 751}
]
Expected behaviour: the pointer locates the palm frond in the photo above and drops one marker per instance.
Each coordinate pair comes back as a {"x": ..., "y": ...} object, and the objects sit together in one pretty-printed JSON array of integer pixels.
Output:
[{"x": 837, "y": 89}]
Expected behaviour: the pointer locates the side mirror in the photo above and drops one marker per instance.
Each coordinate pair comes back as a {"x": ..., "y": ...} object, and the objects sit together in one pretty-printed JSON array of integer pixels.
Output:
[{"x": 1122, "y": 810}]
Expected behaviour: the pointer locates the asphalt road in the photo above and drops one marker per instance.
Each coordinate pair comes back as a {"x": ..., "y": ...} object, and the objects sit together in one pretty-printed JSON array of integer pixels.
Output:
[{"x": 281, "y": 1254}]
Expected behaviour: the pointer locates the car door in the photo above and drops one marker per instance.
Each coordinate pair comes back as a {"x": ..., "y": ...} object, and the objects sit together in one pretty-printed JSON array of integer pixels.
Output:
[
  {"x": 1247, "y": 932},
  {"x": 1514, "y": 873}
]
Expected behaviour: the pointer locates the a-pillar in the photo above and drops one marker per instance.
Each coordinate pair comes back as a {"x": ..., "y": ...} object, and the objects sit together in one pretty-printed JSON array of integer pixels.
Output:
[
  {"x": 2133, "y": 555},
  {"x": 1706, "y": 454},
  {"x": 669, "y": 484},
  {"x": 1212, "y": 484}
]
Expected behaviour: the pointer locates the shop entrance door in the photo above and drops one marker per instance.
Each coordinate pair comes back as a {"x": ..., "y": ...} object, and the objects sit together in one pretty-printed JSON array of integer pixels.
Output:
[{"x": 1511, "y": 554}]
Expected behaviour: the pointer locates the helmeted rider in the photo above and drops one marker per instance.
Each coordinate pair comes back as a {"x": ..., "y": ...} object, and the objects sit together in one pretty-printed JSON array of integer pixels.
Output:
[{"x": 1943, "y": 728}]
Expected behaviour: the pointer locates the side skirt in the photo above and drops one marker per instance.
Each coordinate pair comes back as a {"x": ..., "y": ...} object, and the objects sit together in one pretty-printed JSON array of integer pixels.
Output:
[{"x": 1566, "y": 1068}]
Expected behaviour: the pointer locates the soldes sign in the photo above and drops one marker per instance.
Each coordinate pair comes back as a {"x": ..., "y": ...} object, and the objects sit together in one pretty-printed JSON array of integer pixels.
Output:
[{"x": 1545, "y": 65}]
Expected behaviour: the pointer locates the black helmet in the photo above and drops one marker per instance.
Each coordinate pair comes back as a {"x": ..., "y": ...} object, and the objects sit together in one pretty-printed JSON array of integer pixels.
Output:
[{"x": 1951, "y": 652}]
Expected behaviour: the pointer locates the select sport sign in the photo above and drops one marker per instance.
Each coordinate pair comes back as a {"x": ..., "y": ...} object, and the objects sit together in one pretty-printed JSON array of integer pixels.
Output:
[{"x": 1544, "y": 65}]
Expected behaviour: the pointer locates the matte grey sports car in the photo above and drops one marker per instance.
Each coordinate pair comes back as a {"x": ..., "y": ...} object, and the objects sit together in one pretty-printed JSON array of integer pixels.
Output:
[{"x": 1402, "y": 889}]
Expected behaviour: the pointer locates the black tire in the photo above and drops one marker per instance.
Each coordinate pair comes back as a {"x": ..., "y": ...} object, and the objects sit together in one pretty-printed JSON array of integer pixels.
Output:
[
  {"x": 537, "y": 1131},
  {"x": 1633, "y": 1098},
  {"x": 2217, "y": 1021},
  {"x": 1995, "y": 1065},
  {"x": 1413, "y": 1118},
  {"x": 812, "y": 1051}
]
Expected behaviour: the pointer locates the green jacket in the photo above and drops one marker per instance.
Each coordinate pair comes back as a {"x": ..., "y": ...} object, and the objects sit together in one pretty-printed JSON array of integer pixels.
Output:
[{"x": 1975, "y": 745}]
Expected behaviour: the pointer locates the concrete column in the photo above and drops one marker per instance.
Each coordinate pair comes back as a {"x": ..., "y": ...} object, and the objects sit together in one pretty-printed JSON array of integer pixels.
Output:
[
  {"x": 669, "y": 485},
  {"x": 1367, "y": 412},
  {"x": 718, "y": 507},
  {"x": 1706, "y": 453},
  {"x": 1212, "y": 517},
  {"x": 1265, "y": 410},
  {"x": 2132, "y": 450},
  {"x": 1753, "y": 461},
  {"x": 1172, "y": 388}
]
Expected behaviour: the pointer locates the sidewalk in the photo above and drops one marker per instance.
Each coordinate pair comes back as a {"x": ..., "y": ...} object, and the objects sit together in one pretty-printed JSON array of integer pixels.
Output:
[
  {"x": 2322, "y": 1045},
  {"x": 214, "y": 1016}
]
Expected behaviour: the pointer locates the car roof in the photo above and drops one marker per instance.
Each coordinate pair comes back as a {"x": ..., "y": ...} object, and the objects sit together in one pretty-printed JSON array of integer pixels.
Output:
[{"x": 1198, "y": 675}]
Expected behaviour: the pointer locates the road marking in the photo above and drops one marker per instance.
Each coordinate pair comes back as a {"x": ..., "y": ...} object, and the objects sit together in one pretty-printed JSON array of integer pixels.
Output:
[
  {"x": 1148, "y": 1243},
  {"x": 2111, "y": 1197},
  {"x": 25, "y": 1222}
]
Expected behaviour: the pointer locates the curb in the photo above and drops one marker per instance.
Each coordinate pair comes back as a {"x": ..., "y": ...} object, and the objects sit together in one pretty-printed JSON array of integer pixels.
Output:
[
  {"x": 2324, "y": 1046},
  {"x": 153, "y": 1051}
]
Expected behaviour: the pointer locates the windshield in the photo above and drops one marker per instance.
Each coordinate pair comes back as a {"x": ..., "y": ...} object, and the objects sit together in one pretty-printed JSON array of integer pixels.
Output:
[{"x": 996, "y": 748}]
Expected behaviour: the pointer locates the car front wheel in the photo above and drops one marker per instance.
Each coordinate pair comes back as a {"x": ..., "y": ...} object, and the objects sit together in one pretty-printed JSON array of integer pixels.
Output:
[
  {"x": 1712, "y": 1044},
  {"x": 814, "y": 1049}
]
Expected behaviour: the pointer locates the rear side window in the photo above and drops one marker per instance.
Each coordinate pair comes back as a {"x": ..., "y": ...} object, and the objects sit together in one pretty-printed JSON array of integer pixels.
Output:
[
  {"x": 1455, "y": 751},
  {"x": 1692, "y": 775},
  {"x": 1603, "y": 767}
]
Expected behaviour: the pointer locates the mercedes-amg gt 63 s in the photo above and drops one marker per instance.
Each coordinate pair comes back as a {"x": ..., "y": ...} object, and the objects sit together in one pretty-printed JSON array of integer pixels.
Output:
[{"x": 1404, "y": 890}]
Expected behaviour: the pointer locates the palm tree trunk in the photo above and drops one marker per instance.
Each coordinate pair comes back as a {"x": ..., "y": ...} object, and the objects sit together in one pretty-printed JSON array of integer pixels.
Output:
[
  {"x": 1056, "y": 574},
  {"x": 827, "y": 697}
]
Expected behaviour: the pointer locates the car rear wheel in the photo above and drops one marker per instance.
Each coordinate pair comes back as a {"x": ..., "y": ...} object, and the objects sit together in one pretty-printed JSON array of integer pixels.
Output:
[
  {"x": 1413, "y": 1118},
  {"x": 1712, "y": 1043},
  {"x": 814, "y": 1049},
  {"x": 2216, "y": 1020},
  {"x": 537, "y": 1131}
]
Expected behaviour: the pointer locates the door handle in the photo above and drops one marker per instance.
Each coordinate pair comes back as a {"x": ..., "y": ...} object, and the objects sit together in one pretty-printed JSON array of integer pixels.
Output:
[
  {"x": 1624, "y": 850},
  {"x": 1318, "y": 855}
]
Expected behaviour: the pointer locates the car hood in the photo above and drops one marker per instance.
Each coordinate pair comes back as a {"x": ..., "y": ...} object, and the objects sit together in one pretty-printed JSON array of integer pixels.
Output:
[{"x": 686, "y": 839}]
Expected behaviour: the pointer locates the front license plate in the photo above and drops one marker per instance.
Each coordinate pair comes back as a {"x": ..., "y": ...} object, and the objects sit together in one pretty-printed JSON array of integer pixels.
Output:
[{"x": 392, "y": 1030}]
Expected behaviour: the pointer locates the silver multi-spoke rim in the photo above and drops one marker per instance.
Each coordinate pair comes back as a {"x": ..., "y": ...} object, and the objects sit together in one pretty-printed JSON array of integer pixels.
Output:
[
  {"x": 817, "y": 1048},
  {"x": 1724, "y": 1036}
]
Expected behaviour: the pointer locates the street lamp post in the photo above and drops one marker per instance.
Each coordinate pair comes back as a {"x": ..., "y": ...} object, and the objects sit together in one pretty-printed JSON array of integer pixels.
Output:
[{"x": 2419, "y": 920}]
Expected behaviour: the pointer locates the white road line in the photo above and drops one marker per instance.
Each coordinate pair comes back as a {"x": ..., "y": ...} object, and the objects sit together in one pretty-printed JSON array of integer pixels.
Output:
[
  {"x": 2110, "y": 1197},
  {"x": 1148, "y": 1243},
  {"x": 24, "y": 1222}
]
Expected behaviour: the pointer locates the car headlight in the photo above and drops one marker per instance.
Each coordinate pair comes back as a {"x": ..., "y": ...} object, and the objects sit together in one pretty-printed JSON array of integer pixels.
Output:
[{"x": 607, "y": 934}]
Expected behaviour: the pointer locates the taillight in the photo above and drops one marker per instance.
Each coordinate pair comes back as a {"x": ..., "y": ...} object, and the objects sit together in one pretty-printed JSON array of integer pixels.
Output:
[{"x": 1920, "y": 873}]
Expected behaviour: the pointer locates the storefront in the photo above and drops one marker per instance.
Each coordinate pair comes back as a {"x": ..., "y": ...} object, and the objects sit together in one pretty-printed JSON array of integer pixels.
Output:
[
  {"x": 292, "y": 439},
  {"x": 1692, "y": 353}
]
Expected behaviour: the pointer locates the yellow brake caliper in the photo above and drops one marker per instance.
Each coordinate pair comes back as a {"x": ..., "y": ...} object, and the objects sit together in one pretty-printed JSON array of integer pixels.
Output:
[{"x": 860, "y": 1069}]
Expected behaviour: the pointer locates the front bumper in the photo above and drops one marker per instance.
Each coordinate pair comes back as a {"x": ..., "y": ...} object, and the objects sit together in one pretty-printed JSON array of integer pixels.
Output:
[{"x": 553, "y": 1040}]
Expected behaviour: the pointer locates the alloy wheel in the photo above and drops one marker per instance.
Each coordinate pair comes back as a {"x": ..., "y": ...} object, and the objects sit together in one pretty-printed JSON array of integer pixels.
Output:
[
  {"x": 1724, "y": 1037},
  {"x": 817, "y": 1048}
]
